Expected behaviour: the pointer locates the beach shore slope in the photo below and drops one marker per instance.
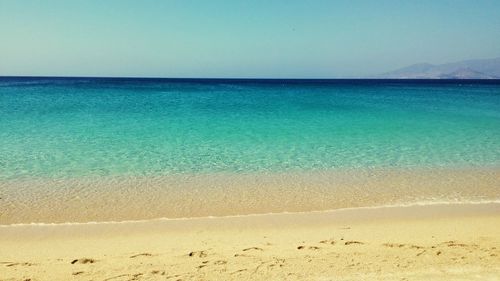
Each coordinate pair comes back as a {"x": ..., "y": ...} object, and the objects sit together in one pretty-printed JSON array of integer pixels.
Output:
[{"x": 442, "y": 242}]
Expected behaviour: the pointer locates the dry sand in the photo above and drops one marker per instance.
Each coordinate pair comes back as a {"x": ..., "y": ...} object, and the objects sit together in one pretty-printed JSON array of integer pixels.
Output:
[{"x": 443, "y": 242}]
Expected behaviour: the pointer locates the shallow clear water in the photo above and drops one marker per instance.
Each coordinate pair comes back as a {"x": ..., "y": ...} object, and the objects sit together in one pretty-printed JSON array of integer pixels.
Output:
[{"x": 73, "y": 127}]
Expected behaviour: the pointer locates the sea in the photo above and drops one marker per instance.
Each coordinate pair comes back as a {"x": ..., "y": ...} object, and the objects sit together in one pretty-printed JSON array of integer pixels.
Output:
[{"x": 113, "y": 149}]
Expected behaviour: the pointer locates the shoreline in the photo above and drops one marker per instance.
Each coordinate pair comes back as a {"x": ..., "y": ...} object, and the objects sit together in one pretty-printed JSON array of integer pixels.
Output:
[
  {"x": 439, "y": 242},
  {"x": 340, "y": 210},
  {"x": 228, "y": 194},
  {"x": 357, "y": 214}
]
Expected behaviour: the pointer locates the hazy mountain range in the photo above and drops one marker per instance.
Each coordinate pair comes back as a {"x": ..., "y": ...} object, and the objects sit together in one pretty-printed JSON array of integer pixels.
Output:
[{"x": 468, "y": 69}]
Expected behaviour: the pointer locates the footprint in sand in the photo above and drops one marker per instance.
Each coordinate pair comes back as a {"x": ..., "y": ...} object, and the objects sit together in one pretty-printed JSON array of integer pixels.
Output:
[
  {"x": 133, "y": 276},
  {"x": 199, "y": 254},
  {"x": 83, "y": 261},
  {"x": 421, "y": 253},
  {"x": 238, "y": 271},
  {"x": 160, "y": 272},
  {"x": 309, "y": 248},
  {"x": 398, "y": 245},
  {"x": 141, "y": 255},
  {"x": 353, "y": 243},
  {"x": 457, "y": 244},
  {"x": 253, "y": 248},
  {"x": 9, "y": 264},
  {"x": 393, "y": 245},
  {"x": 329, "y": 241}
]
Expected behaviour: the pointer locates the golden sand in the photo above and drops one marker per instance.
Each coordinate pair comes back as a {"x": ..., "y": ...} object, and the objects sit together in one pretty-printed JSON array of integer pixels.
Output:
[{"x": 442, "y": 242}]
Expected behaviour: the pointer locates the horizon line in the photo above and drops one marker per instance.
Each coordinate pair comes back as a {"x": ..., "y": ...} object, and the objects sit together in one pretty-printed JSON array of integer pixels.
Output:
[{"x": 247, "y": 78}]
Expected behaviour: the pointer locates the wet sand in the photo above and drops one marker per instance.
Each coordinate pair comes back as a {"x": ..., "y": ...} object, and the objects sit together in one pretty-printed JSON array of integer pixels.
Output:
[
  {"x": 221, "y": 194},
  {"x": 441, "y": 242}
]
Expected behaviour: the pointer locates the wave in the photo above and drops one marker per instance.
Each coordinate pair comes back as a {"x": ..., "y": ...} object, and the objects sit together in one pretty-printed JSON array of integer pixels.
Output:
[{"x": 403, "y": 205}]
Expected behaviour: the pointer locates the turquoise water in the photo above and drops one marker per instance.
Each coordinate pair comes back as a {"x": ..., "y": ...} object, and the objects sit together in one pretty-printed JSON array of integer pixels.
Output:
[{"x": 97, "y": 127}]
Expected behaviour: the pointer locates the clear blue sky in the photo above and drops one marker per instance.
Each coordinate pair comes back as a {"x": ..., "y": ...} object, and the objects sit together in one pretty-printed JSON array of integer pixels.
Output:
[{"x": 241, "y": 38}]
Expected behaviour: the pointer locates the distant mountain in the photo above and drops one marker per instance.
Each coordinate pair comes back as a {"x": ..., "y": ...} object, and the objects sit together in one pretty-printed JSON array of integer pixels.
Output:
[{"x": 469, "y": 69}]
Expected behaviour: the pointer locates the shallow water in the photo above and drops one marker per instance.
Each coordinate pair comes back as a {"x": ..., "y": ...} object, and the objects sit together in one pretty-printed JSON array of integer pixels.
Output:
[
  {"x": 124, "y": 198},
  {"x": 75, "y": 129}
]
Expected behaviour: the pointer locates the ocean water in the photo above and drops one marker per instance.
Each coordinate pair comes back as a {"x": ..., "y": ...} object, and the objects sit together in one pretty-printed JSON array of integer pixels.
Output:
[
  {"x": 76, "y": 129},
  {"x": 80, "y": 127}
]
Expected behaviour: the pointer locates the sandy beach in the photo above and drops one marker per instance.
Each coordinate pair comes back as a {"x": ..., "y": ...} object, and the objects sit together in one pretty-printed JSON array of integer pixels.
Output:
[
  {"x": 440, "y": 242},
  {"x": 249, "y": 140}
]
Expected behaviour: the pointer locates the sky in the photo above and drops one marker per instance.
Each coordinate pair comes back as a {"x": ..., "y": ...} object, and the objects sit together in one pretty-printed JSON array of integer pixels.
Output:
[{"x": 241, "y": 39}]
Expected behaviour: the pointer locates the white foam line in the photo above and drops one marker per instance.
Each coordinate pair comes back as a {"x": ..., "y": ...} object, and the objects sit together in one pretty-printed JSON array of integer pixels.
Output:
[{"x": 405, "y": 205}]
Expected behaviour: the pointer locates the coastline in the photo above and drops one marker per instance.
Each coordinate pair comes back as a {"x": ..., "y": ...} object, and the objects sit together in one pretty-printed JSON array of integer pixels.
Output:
[
  {"x": 231, "y": 194},
  {"x": 387, "y": 243},
  {"x": 348, "y": 209}
]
